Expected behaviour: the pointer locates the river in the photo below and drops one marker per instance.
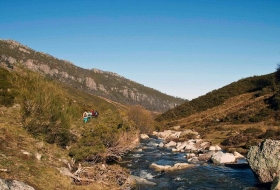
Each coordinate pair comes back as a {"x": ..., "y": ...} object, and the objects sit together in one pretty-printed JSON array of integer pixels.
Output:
[{"x": 204, "y": 176}]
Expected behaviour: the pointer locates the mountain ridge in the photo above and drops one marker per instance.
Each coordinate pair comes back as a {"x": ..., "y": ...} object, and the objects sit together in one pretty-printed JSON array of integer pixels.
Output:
[{"x": 106, "y": 84}]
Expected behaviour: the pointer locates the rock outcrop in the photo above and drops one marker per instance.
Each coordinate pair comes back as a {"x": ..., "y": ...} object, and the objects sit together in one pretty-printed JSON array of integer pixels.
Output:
[
  {"x": 264, "y": 160},
  {"x": 14, "y": 185}
]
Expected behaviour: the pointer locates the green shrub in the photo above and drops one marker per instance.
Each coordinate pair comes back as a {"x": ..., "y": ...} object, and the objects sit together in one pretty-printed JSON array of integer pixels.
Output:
[
  {"x": 7, "y": 94},
  {"x": 45, "y": 108},
  {"x": 274, "y": 101},
  {"x": 101, "y": 142}
]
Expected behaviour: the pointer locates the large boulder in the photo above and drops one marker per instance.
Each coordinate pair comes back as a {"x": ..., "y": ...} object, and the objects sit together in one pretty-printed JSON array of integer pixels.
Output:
[{"x": 264, "y": 160}]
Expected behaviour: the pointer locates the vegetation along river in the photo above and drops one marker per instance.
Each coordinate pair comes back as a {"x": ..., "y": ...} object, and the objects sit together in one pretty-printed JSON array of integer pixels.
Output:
[{"x": 205, "y": 176}]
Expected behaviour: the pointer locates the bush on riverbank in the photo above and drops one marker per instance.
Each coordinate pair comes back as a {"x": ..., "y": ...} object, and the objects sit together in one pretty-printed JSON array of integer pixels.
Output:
[{"x": 142, "y": 118}]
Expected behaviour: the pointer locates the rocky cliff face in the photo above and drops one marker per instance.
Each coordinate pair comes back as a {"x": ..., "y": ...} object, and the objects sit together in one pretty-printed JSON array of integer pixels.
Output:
[
  {"x": 106, "y": 84},
  {"x": 264, "y": 160}
]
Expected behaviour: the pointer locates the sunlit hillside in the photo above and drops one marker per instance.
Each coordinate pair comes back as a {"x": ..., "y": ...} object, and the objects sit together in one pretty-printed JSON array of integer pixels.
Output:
[
  {"x": 238, "y": 115},
  {"x": 43, "y": 133}
]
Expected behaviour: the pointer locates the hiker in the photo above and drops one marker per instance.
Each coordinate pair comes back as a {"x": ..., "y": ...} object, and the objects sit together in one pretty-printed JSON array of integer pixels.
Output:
[
  {"x": 94, "y": 113},
  {"x": 85, "y": 116},
  {"x": 89, "y": 114}
]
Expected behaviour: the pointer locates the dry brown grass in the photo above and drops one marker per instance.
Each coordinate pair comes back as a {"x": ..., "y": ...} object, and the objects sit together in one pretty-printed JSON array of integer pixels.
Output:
[
  {"x": 232, "y": 105},
  {"x": 43, "y": 174},
  {"x": 209, "y": 124}
]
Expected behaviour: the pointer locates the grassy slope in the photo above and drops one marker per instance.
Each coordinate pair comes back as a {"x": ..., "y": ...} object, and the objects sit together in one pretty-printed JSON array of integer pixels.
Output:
[
  {"x": 39, "y": 174},
  {"x": 44, "y": 174},
  {"x": 224, "y": 114},
  {"x": 255, "y": 84}
]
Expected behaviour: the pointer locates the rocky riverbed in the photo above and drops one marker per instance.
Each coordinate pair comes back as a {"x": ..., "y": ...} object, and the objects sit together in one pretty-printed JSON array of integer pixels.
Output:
[{"x": 166, "y": 163}]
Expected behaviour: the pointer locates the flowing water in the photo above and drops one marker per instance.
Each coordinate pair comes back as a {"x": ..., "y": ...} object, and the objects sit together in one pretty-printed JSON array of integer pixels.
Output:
[{"x": 203, "y": 176}]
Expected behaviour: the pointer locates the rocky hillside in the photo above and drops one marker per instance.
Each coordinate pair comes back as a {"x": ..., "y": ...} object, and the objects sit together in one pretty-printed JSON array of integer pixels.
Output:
[{"x": 94, "y": 81}]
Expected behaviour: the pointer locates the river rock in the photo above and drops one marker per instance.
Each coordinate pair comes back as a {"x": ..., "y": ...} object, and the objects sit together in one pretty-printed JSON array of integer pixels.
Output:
[
  {"x": 237, "y": 155},
  {"x": 217, "y": 148},
  {"x": 190, "y": 155},
  {"x": 144, "y": 136},
  {"x": 212, "y": 148},
  {"x": 175, "y": 134},
  {"x": 193, "y": 160},
  {"x": 165, "y": 134},
  {"x": 177, "y": 166},
  {"x": 264, "y": 160},
  {"x": 221, "y": 158},
  {"x": 175, "y": 150},
  {"x": 181, "y": 146},
  {"x": 189, "y": 147},
  {"x": 160, "y": 167},
  {"x": 171, "y": 143},
  {"x": 140, "y": 180},
  {"x": 14, "y": 185},
  {"x": 155, "y": 133},
  {"x": 204, "y": 157},
  {"x": 204, "y": 145},
  {"x": 161, "y": 144}
]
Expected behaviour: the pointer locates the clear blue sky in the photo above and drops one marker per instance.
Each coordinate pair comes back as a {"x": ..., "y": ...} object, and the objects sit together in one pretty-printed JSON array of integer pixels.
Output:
[{"x": 182, "y": 48}]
